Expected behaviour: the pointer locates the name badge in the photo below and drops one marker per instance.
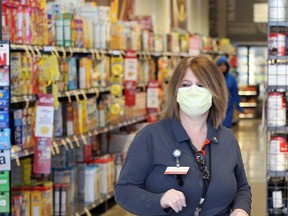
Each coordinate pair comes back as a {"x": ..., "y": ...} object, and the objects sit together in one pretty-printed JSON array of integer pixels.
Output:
[{"x": 176, "y": 170}]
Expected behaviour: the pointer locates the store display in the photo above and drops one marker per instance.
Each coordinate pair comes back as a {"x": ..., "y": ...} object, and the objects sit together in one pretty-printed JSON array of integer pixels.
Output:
[{"x": 276, "y": 109}]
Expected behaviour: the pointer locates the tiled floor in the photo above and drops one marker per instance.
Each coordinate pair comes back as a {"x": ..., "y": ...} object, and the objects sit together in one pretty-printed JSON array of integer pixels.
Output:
[{"x": 252, "y": 143}]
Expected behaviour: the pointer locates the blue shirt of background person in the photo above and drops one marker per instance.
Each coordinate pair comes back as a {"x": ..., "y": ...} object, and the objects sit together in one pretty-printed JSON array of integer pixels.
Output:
[{"x": 234, "y": 98}]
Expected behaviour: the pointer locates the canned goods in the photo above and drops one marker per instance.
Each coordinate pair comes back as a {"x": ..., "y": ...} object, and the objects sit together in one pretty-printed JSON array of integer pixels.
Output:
[
  {"x": 276, "y": 109},
  {"x": 277, "y": 43},
  {"x": 278, "y": 153},
  {"x": 277, "y": 193}
]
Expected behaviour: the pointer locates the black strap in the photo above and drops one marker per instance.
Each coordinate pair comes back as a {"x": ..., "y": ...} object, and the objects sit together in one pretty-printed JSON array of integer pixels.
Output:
[{"x": 206, "y": 182}]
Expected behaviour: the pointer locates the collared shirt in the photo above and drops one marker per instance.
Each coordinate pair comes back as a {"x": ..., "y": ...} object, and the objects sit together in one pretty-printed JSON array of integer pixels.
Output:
[{"x": 142, "y": 180}]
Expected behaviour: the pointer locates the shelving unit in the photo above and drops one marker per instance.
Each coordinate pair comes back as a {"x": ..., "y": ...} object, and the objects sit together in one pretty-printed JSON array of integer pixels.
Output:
[
  {"x": 249, "y": 101},
  {"x": 276, "y": 109}
]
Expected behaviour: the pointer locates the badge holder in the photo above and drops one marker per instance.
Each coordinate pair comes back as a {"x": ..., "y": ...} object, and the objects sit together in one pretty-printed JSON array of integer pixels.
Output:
[{"x": 177, "y": 170}]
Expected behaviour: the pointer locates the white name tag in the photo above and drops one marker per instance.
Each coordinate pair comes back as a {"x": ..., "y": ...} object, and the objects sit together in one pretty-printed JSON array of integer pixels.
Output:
[{"x": 177, "y": 170}]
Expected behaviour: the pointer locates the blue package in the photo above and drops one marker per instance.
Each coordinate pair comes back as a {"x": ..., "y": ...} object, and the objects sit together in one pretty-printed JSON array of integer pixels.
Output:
[
  {"x": 73, "y": 75},
  {"x": 5, "y": 143},
  {"x": 4, "y": 118},
  {"x": 4, "y": 97}
]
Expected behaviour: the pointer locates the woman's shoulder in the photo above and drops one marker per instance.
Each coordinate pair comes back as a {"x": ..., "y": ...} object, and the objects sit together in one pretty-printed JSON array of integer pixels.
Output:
[
  {"x": 162, "y": 124},
  {"x": 226, "y": 134}
]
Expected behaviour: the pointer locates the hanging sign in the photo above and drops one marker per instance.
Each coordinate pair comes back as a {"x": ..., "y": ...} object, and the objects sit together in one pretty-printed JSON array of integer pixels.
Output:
[
  {"x": 130, "y": 93},
  {"x": 43, "y": 134},
  {"x": 130, "y": 66},
  {"x": 42, "y": 155},
  {"x": 44, "y": 116}
]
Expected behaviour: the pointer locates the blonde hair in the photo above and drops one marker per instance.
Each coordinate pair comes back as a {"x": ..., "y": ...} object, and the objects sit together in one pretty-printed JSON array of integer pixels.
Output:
[{"x": 210, "y": 77}]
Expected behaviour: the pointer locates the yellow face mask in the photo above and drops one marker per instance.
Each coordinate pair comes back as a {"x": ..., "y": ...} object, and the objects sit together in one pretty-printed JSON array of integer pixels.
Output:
[{"x": 194, "y": 100}]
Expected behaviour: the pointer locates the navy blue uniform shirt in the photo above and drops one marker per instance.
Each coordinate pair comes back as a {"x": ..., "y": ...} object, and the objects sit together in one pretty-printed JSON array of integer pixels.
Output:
[{"x": 142, "y": 180}]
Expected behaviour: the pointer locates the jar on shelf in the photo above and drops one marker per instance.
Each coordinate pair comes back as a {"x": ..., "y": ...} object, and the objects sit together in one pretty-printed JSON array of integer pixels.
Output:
[{"x": 276, "y": 108}]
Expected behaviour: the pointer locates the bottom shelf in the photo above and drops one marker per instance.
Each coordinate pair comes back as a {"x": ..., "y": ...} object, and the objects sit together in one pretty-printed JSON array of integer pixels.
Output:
[{"x": 81, "y": 208}]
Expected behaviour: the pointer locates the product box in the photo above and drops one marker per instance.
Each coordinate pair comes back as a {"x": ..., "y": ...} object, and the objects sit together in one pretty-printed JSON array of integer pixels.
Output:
[
  {"x": 76, "y": 106},
  {"x": 84, "y": 152},
  {"x": 85, "y": 73},
  {"x": 87, "y": 183},
  {"x": 18, "y": 128},
  {"x": 91, "y": 114},
  {"x": 16, "y": 69},
  {"x": 107, "y": 173},
  {"x": 69, "y": 122},
  {"x": 16, "y": 207},
  {"x": 41, "y": 201},
  {"x": 67, "y": 29},
  {"x": 58, "y": 121},
  {"x": 73, "y": 74},
  {"x": 64, "y": 197},
  {"x": 51, "y": 30},
  {"x": 56, "y": 199},
  {"x": 78, "y": 32},
  {"x": 26, "y": 171},
  {"x": 27, "y": 75},
  {"x": 59, "y": 26}
]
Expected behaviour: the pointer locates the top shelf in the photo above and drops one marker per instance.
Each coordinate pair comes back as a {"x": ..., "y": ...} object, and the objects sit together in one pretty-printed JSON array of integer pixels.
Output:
[{"x": 37, "y": 49}]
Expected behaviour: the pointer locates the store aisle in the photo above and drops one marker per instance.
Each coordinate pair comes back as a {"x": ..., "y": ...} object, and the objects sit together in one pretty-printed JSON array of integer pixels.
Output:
[{"x": 252, "y": 143}]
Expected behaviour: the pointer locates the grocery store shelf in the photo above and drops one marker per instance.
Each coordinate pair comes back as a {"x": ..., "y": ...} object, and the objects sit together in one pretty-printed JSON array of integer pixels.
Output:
[
  {"x": 272, "y": 57},
  {"x": 23, "y": 98},
  {"x": 277, "y": 128},
  {"x": 277, "y": 173},
  {"x": 246, "y": 104},
  {"x": 70, "y": 141},
  {"x": 212, "y": 52},
  {"x": 247, "y": 93},
  {"x": 36, "y": 50},
  {"x": 82, "y": 208},
  {"x": 271, "y": 88}
]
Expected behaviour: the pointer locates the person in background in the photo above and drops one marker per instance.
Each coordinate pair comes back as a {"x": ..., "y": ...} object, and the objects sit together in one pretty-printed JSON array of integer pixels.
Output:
[
  {"x": 234, "y": 98},
  {"x": 187, "y": 163}
]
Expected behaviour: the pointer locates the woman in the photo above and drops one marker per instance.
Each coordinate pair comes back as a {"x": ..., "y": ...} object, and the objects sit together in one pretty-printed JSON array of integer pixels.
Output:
[{"x": 190, "y": 136}]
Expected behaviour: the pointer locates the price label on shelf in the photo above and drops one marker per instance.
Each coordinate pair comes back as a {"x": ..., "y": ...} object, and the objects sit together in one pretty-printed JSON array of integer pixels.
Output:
[
  {"x": 52, "y": 150},
  {"x": 87, "y": 211},
  {"x": 68, "y": 140},
  {"x": 56, "y": 147},
  {"x": 76, "y": 140},
  {"x": 83, "y": 94},
  {"x": 65, "y": 144},
  {"x": 84, "y": 139}
]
